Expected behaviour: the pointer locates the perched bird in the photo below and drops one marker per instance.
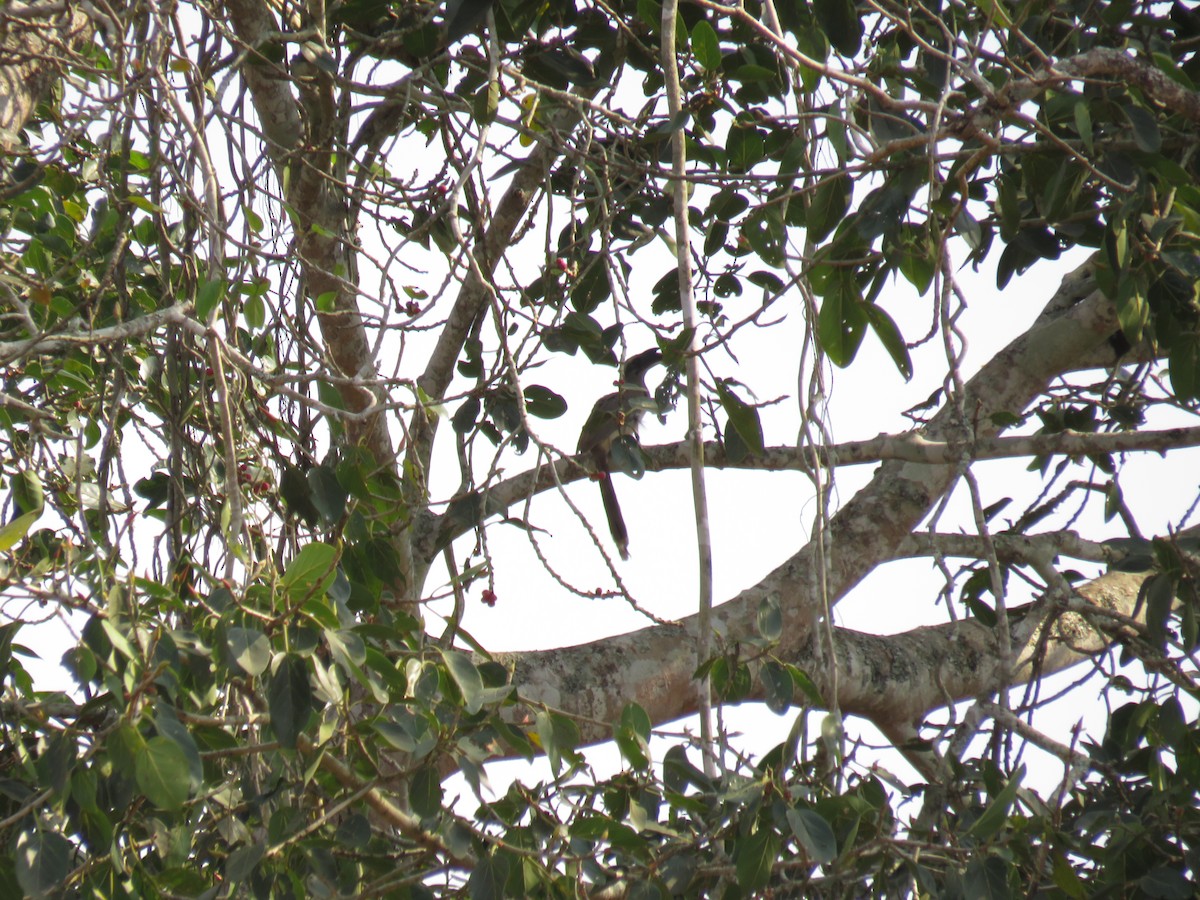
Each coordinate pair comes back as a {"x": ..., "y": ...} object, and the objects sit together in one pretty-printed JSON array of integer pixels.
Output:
[{"x": 609, "y": 436}]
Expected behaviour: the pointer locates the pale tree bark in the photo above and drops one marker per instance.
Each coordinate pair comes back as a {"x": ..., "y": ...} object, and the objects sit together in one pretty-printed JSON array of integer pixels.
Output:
[
  {"x": 654, "y": 666},
  {"x": 37, "y": 37}
]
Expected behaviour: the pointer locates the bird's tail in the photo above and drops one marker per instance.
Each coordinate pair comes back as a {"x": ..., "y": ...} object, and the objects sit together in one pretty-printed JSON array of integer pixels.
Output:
[{"x": 612, "y": 510}]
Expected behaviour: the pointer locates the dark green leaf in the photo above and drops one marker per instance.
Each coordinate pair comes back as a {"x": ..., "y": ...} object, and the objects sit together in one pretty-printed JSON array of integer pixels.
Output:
[
  {"x": 327, "y": 493},
  {"x": 995, "y": 816},
  {"x": 311, "y": 572},
  {"x": 43, "y": 860},
  {"x": 488, "y": 878},
  {"x": 889, "y": 335},
  {"x": 542, "y": 402},
  {"x": 705, "y": 46},
  {"x": 1167, "y": 884},
  {"x": 765, "y": 231},
  {"x": 289, "y": 700},
  {"x": 210, "y": 294},
  {"x": 987, "y": 879},
  {"x": 162, "y": 773},
  {"x": 243, "y": 861},
  {"x": 154, "y": 489},
  {"x": 1145, "y": 129},
  {"x": 778, "y": 686},
  {"x": 743, "y": 418},
  {"x": 768, "y": 281},
  {"x": 828, "y": 206},
  {"x": 840, "y": 21},
  {"x": 744, "y": 148},
  {"x": 842, "y": 321},
  {"x": 466, "y": 676},
  {"x": 297, "y": 494},
  {"x": 425, "y": 791},
  {"x": 1160, "y": 596},
  {"x": 1184, "y": 367},
  {"x": 754, "y": 858},
  {"x": 814, "y": 834},
  {"x": 466, "y": 415}
]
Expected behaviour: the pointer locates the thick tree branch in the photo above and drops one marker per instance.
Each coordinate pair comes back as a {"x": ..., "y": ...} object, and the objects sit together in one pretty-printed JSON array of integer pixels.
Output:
[
  {"x": 654, "y": 665},
  {"x": 898, "y": 679},
  {"x": 38, "y": 37},
  {"x": 466, "y": 512}
]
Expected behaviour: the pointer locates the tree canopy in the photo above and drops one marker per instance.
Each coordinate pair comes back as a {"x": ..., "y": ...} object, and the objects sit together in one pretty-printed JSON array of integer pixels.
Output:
[{"x": 305, "y": 302}]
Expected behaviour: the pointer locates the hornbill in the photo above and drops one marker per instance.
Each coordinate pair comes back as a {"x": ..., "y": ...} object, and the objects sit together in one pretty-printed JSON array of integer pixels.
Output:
[{"x": 611, "y": 429}]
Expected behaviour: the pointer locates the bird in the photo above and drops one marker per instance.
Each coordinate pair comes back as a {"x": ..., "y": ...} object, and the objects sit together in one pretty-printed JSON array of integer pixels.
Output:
[{"x": 609, "y": 437}]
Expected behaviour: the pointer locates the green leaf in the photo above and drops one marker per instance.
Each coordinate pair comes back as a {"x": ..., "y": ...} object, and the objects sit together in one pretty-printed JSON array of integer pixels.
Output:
[
  {"x": 289, "y": 700},
  {"x": 705, "y": 46},
  {"x": 249, "y": 649},
  {"x": 744, "y": 148},
  {"x": 326, "y": 493},
  {"x": 754, "y": 858},
  {"x": 592, "y": 287},
  {"x": 1184, "y": 366},
  {"x": 633, "y": 736},
  {"x": 889, "y": 335},
  {"x": 1167, "y": 884},
  {"x": 297, "y": 494},
  {"x": 778, "y": 686},
  {"x": 242, "y": 862},
  {"x": 559, "y": 736},
  {"x": 311, "y": 572},
  {"x": 743, "y": 417},
  {"x": 210, "y": 294},
  {"x": 27, "y": 491},
  {"x": 467, "y": 677},
  {"x": 1133, "y": 307},
  {"x": 488, "y": 878},
  {"x": 170, "y": 727},
  {"x": 1145, "y": 129},
  {"x": 425, "y": 791},
  {"x": 1160, "y": 597},
  {"x": 987, "y": 879},
  {"x": 467, "y": 415},
  {"x": 995, "y": 817},
  {"x": 842, "y": 320},
  {"x": 12, "y": 533},
  {"x": 253, "y": 220},
  {"x": 841, "y": 24},
  {"x": 43, "y": 860},
  {"x": 768, "y": 281},
  {"x": 828, "y": 206},
  {"x": 544, "y": 403},
  {"x": 764, "y": 230},
  {"x": 814, "y": 834},
  {"x": 162, "y": 773}
]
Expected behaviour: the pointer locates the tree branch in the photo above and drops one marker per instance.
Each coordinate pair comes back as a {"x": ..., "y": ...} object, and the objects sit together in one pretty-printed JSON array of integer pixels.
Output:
[{"x": 654, "y": 666}]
